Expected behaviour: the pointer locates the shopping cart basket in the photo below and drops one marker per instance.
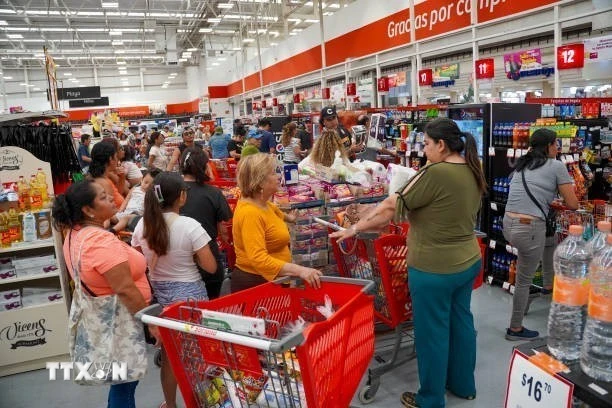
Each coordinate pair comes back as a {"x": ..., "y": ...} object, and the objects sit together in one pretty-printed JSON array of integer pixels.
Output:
[
  {"x": 381, "y": 259},
  {"x": 256, "y": 363}
]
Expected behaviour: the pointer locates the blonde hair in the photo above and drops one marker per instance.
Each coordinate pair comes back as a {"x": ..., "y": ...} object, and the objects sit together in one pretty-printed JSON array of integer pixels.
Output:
[
  {"x": 252, "y": 172},
  {"x": 324, "y": 149},
  {"x": 288, "y": 130}
]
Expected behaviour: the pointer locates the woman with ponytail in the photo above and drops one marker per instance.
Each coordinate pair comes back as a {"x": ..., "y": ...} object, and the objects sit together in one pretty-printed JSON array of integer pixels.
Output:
[
  {"x": 207, "y": 205},
  {"x": 172, "y": 244},
  {"x": 106, "y": 265},
  {"x": 525, "y": 221},
  {"x": 291, "y": 144},
  {"x": 441, "y": 202}
]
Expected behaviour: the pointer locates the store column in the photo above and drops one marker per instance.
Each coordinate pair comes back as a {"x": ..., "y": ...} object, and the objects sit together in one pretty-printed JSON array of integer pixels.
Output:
[
  {"x": 548, "y": 91},
  {"x": 197, "y": 80}
]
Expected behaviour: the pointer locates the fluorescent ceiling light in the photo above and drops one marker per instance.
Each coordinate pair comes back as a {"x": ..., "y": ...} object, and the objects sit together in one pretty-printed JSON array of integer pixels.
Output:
[
  {"x": 273, "y": 44},
  {"x": 90, "y": 13},
  {"x": 209, "y": 68},
  {"x": 328, "y": 13},
  {"x": 274, "y": 33},
  {"x": 3, "y": 23},
  {"x": 174, "y": 73},
  {"x": 205, "y": 30},
  {"x": 54, "y": 29},
  {"x": 121, "y": 62},
  {"x": 237, "y": 17},
  {"x": 236, "y": 49},
  {"x": 192, "y": 49},
  {"x": 309, "y": 20},
  {"x": 294, "y": 20},
  {"x": 221, "y": 59},
  {"x": 292, "y": 33},
  {"x": 309, "y": 4},
  {"x": 115, "y": 32},
  {"x": 23, "y": 84},
  {"x": 110, "y": 4},
  {"x": 119, "y": 51},
  {"x": 215, "y": 64},
  {"x": 126, "y": 89},
  {"x": 225, "y": 5},
  {"x": 7, "y": 11},
  {"x": 23, "y": 29},
  {"x": 14, "y": 36},
  {"x": 248, "y": 40},
  {"x": 36, "y": 89},
  {"x": 67, "y": 74},
  {"x": 297, "y": 30},
  {"x": 335, "y": 6},
  {"x": 8, "y": 77},
  {"x": 182, "y": 60},
  {"x": 135, "y": 14},
  {"x": 225, "y": 31},
  {"x": 214, "y": 20},
  {"x": 117, "y": 42}
]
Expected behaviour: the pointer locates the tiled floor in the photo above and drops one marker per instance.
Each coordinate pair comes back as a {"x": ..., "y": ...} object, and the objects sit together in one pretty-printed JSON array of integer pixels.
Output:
[{"x": 491, "y": 307}]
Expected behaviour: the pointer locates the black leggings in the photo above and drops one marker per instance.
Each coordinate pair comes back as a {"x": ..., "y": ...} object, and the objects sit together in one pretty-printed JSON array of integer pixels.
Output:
[{"x": 241, "y": 280}]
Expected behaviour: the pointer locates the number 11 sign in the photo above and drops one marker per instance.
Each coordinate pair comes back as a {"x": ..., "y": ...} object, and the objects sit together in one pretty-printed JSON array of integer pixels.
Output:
[
  {"x": 529, "y": 386},
  {"x": 485, "y": 68}
]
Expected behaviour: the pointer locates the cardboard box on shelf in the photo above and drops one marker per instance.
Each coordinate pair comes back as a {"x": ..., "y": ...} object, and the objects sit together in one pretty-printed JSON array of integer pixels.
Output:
[
  {"x": 10, "y": 305},
  {"x": 32, "y": 298},
  {"x": 9, "y": 295}
]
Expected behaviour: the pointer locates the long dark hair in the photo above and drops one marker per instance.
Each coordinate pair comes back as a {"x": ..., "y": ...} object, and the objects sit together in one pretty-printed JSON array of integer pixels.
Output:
[
  {"x": 288, "y": 130},
  {"x": 167, "y": 188},
  {"x": 537, "y": 156},
  {"x": 101, "y": 154},
  {"x": 194, "y": 162},
  {"x": 152, "y": 139},
  {"x": 67, "y": 208},
  {"x": 458, "y": 142}
]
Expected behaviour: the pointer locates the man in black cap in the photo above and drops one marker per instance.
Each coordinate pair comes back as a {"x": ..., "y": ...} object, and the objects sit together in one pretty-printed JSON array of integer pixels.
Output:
[{"x": 329, "y": 120}]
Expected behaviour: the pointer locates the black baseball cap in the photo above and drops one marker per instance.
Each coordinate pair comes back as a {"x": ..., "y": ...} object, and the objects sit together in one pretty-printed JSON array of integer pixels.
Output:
[{"x": 327, "y": 112}]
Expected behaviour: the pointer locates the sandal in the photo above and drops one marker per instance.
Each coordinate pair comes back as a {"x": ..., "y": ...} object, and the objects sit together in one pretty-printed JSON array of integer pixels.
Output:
[
  {"x": 163, "y": 405},
  {"x": 409, "y": 400}
]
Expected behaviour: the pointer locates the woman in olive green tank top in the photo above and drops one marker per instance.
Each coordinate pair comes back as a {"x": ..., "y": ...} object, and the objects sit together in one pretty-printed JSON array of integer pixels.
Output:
[{"x": 441, "y": 203}]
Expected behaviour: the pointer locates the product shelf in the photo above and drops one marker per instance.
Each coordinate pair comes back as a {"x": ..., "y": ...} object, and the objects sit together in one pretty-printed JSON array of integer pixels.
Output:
[
  {"x": 30, "y": 278},
  {"x": 25, "y": 246}
]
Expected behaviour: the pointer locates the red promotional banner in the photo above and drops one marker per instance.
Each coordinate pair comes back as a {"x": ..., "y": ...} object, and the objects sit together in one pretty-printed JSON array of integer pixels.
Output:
[
  {"x": 383, "y": 84},
  {"x": 256, "y": 106},
  {"x": 570, "y": 56},
  {"x": 485, "y": 68},
  {"x": 351, "y": 89},
  {"x": 425, "y": 77},
  {"x": 264, "y": 104},
  {"x": 296, "y": 98},
  {"x": 274, "y": 101},
  {"x": 325, "y": 93}
]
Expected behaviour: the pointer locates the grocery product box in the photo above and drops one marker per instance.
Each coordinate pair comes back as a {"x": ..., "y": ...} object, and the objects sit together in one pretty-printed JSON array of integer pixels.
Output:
[
  {"x": 33, "y": 261},
  {"x": 7, "y": 271},
  {"x": 311, "y": 259},
  {"x": 9, "y": 295},
  {"x": 10, "y": 305},
  {"x": 32, "y": 296}
]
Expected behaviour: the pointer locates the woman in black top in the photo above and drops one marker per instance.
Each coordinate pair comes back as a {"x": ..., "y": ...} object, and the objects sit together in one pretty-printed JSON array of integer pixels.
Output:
[{"x": 207, "y": 205}]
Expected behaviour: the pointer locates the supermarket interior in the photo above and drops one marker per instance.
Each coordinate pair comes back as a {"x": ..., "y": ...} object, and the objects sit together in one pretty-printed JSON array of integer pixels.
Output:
[{"x": 291, "y": 203}]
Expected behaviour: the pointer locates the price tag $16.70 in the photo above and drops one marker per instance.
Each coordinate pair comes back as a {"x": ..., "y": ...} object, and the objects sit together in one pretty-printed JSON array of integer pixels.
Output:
[{"x": 529, "y": 386}]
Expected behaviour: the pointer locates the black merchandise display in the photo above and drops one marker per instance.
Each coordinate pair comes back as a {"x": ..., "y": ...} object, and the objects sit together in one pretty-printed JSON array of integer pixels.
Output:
[{"x": 51, "y": 144}]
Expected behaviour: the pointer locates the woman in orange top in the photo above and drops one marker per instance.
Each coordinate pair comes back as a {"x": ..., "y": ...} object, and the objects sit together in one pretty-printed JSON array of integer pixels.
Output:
[
  {"x": 103, "y": 167},
  {"x": 107, "y": 265},
  {"x": 261, "y": 237}
]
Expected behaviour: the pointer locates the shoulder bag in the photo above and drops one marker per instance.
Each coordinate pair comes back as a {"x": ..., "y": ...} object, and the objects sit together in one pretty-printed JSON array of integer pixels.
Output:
[
  {"x": 103, "y": 334},
  {"x": 551, "y": 222}
]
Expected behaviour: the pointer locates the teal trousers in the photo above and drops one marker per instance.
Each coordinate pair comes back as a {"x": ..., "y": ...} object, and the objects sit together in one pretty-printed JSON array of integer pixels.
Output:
[{"x": 444, "y": 333}]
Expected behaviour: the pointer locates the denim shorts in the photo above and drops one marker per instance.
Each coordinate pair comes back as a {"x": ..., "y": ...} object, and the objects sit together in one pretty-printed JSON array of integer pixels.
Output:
[{"x": 169, "y": 292}]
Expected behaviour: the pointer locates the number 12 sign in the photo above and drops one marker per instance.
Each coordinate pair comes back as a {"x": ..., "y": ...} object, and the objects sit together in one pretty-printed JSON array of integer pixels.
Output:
[
  {"x": 485, "y": 68},
  {"x": 570, "y": 56},
  {"x": 529, "y": 386}
]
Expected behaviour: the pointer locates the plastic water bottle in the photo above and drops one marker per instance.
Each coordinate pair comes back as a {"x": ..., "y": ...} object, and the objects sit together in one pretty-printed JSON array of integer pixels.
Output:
[
  {"x": 598, "y": 242},
  {"x": 596, "y": 356},
  {"x": 570, "y": 296}
]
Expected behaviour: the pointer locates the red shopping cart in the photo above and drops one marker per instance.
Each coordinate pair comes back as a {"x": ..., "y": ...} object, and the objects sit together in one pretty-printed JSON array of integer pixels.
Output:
[
  {"x": 381, "y": 259},
  {"x": 242, "y": 356}
]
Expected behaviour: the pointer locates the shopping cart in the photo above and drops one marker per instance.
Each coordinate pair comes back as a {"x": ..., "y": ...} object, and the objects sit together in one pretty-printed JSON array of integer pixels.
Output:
[
  {"x": 381, "y": 259},
  {"x": 587, "y": 216},
  {"x": 256, "y": 363}
]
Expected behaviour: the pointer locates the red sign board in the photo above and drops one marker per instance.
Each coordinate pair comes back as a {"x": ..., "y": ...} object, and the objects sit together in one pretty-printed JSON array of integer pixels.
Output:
[
  {"x": 351, "y": 89},
  {"x": 264, "y": 104},
  {"x": 383, "y": 84},
  {"x": 296, "y": 98},
  {"x": 570, "y": 56},
  {"x": 485, "y": 68},
  {"x": 325, "y": 93},
  {"x": 425, "y": 77},
  {"x": 274, "y": 101}
]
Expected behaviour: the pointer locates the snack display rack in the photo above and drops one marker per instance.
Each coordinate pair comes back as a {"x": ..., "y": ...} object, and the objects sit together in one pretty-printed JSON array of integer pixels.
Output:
[{"x": 34, "y": 288}]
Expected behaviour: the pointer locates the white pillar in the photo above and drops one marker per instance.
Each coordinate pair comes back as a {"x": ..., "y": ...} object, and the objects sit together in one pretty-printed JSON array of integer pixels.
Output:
[
  {"x": 557, "y": 33},
  {"x": 95, "y": 74},
  {"x": 26, "y": 80},
  {"x": 414, "y": 65},
  {"x": 3, "y": 90},
  {"x": 378, "y": 101},
  {"x": 141, "y": 71}
]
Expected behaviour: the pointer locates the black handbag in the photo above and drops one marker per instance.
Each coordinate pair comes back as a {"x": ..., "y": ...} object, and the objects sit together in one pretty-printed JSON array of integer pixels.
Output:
[{"x": 551, "y": 217}]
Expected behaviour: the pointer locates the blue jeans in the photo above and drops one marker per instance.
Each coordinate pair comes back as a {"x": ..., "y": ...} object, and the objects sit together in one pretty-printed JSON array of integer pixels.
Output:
[
  {"x": 122, "y": 395},
  {"x": 445, "y": 338}
]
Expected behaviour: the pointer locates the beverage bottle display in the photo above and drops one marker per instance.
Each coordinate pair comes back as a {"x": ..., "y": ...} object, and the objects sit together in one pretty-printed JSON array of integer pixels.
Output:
[
  {"x": 568, "y": 308},
  {"x": 35, "y": 193},
  {"x": 596, "y": 355},
  {"x": 44, "y": 225},
  {"x": 14, "y": 225},
  {"x": 29, "y": 227},
  {"x": 41, "y": 177},
  {"x": 5, "y": 234},
  {"x": 23, "y": 193},
  {"x": 598, "y": 242}
]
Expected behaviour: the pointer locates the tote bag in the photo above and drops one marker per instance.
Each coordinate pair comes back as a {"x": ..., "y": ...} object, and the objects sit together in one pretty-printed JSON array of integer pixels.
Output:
[{"x": 104, "y": 334}]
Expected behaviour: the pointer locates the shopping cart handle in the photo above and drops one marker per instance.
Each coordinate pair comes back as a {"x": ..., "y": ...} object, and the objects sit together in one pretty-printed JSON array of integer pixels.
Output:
[
  {"x": 153, "y": 310},
  {"x": 368, "y": 285}
]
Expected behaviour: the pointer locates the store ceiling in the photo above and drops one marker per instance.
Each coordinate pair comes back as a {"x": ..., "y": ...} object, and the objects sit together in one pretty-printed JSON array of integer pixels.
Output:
[{"x": 105, "y": 32}]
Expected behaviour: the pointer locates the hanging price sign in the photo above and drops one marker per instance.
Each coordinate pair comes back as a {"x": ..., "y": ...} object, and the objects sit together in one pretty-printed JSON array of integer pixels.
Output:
[
  {"x": 485, "y": 68},
  {"x": 425, "y": 77},
  {"x": 529, "y": 386},
  {"x": 383, "y": 84},
  {"x": 325, "y": 93},
  {"x": 570, "y": 56},
  {"x": 351, "y": 89}
]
